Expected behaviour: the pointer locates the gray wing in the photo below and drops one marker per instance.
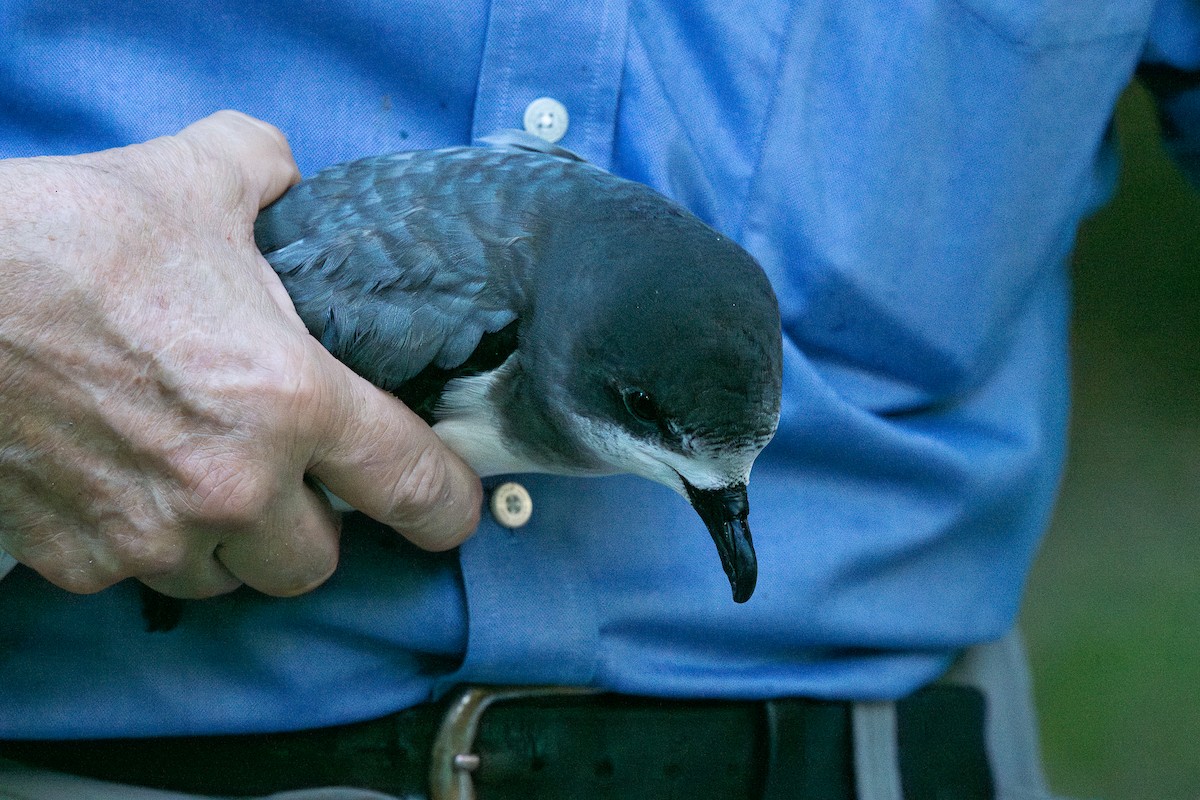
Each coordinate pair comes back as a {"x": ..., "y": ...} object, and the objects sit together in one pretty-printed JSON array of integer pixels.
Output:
[{"x": 401, "y": 262}]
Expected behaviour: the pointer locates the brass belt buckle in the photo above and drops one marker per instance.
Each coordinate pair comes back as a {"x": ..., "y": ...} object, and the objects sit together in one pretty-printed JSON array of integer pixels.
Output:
[{"x": 453, "y": 759}]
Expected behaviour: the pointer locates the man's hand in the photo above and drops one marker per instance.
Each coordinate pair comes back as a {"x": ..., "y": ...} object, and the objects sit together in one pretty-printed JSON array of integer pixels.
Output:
[{"x": 161, "y": 404}]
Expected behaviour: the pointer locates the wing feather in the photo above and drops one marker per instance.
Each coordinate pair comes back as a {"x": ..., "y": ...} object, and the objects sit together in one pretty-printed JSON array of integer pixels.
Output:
[{"x": 404, "y": 262}]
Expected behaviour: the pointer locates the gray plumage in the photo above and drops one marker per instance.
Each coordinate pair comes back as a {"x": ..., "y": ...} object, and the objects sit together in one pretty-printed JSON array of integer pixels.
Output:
[{"x": 545, "y": 314}]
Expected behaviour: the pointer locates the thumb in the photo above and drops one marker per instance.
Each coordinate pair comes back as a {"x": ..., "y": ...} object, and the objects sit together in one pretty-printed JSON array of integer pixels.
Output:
[{"x": 380, "y": 457}]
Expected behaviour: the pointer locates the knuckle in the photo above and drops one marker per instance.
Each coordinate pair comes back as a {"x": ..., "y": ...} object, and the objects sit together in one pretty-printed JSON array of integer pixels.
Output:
[
  {"x": 80, "y": 577},
  {"x": 227, "y": 491},
  {"x": 242, "y": 121},
  {"x": 71, "y": 562},
  {"x": 275, "y": 136},
  {"x": 263, "y": 148},
  {"x": 426, "y": 491},
  {"x": 423, "y": 484},
  {"x": 278, "y": 383},
  {"x": 300, "y": 390},
  {"x": 150, "y": 554},
  {"x": 80, "y": 582},
  {"x": 230, "y": 116}
]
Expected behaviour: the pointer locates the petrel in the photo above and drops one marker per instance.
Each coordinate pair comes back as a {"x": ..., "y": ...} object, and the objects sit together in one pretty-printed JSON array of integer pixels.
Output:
[{"x": 544, "y": 315}]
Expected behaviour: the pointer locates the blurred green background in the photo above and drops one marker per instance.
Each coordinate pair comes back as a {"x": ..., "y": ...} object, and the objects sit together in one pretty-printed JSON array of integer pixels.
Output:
[{"x": 1112, "y": 614}]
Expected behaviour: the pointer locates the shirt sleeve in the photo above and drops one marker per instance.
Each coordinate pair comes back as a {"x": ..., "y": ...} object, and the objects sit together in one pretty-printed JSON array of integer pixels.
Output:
[{"x": 1170, "y": 70}]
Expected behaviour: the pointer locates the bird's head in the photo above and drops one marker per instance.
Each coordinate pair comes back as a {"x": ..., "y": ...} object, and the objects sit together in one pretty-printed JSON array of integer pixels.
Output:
[{"x": 665, "y": 362}]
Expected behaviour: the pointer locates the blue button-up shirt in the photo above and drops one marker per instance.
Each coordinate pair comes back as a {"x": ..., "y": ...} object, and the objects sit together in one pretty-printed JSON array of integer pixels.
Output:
[{"x": 910, "y": 176}]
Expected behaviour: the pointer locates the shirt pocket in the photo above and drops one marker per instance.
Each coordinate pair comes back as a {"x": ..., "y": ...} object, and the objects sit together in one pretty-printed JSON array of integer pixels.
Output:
[{"x": 1049, "y": 24}]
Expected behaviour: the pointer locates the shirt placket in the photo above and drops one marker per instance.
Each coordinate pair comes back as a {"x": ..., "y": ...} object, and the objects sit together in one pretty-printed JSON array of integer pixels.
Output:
[{"x": 554, "y": 69}]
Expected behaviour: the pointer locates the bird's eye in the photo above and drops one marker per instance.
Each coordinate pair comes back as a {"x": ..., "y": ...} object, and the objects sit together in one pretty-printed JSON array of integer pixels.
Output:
[{"x": 641, "y": 405}]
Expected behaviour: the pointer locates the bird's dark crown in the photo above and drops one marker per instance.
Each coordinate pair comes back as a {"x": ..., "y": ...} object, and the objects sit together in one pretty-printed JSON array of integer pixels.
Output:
[{"x": 662, "y": 304}]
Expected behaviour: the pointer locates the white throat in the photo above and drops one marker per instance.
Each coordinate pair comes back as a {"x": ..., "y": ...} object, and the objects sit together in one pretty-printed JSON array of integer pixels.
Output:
[{"x": 469, "y": 425}]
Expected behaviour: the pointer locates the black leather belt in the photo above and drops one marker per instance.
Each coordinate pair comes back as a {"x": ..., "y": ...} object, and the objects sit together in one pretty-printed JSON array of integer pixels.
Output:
[{"x": 532, "y": 743}]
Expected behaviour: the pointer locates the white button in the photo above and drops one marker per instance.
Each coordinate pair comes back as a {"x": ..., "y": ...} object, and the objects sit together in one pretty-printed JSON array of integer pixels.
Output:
[
  {"x": 547, "y": 118},
  {"x": 511, "y": 505}
]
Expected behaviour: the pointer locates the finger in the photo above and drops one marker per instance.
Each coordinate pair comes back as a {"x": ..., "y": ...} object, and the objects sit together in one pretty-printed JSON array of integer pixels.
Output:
[
  {"x": 294, "y": 548},
  {"x": 203, "y": 576},
  {"x": 84, "y": 560},
  {"x": 258, "y": 149},
  {"x": 74, "y": 574},
  {"x": 381, "y": 458},
  {"x": 64, "y": 553}
]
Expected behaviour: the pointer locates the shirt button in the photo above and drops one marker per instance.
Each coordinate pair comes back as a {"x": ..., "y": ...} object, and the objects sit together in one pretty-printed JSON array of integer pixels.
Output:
[
  {"x": 511, "y": 505},
  {"x": 547, "y": 118}
]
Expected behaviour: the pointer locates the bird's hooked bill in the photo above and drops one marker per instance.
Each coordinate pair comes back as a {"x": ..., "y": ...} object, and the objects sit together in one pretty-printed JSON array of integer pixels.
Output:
[{"x": 724, "y": 512}]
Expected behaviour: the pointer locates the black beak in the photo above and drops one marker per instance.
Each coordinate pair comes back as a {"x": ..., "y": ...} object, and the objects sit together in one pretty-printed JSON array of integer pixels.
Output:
[{"x": 724, "y": 512}]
